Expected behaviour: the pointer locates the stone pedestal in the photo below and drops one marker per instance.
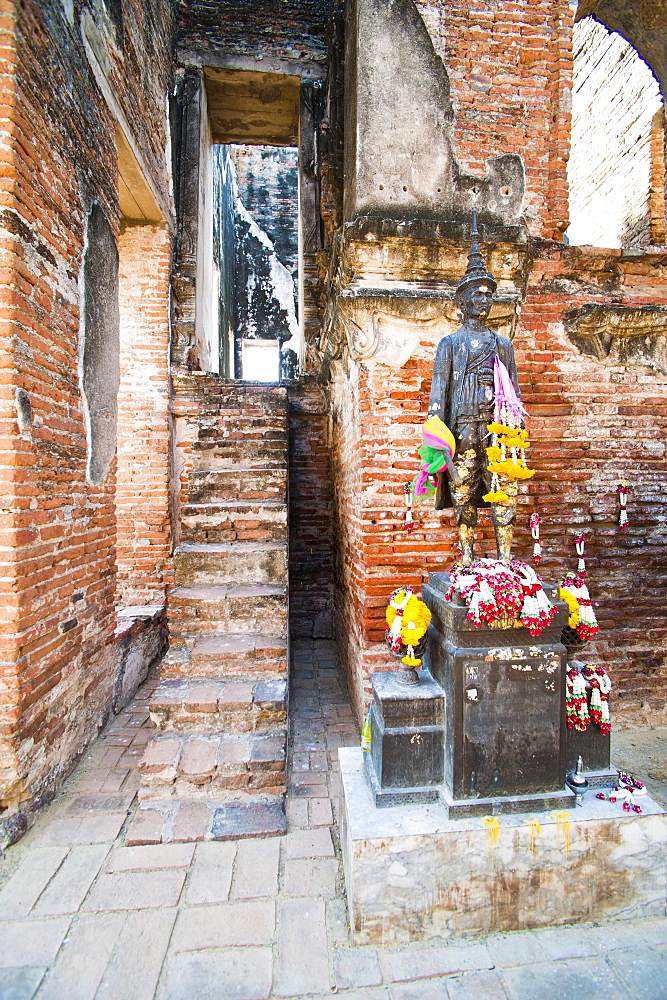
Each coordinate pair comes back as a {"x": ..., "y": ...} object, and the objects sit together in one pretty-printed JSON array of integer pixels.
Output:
[
  {"x": 413, "y": 872},
  {"x": 407, "y": 743},
  {"x": 504, "y": 709}
]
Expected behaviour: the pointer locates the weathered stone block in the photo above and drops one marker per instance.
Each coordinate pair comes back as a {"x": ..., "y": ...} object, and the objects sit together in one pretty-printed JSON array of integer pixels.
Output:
[{"x": 413, "y": 873}]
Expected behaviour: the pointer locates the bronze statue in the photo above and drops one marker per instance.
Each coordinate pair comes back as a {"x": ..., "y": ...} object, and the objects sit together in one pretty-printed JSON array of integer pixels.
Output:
[{"x": 462, "y": 395}]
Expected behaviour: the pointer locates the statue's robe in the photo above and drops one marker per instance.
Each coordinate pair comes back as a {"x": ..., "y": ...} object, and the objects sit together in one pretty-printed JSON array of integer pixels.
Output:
[{"x": 455, "y": 391}]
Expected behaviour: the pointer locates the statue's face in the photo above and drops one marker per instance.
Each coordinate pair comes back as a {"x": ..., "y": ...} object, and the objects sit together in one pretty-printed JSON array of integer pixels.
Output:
[{"x": 477, "y": 301}]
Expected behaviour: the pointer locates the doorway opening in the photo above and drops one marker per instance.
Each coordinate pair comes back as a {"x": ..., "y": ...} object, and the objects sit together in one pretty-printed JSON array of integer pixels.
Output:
[
  {"x": 256, "y": 255},
  {"x": 250, "y": 249},
  {"x": 616, "y": 170}
]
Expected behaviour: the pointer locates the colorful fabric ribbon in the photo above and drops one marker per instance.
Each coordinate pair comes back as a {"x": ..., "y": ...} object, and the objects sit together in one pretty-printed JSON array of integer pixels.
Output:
[{"x": 437, "y": 449}]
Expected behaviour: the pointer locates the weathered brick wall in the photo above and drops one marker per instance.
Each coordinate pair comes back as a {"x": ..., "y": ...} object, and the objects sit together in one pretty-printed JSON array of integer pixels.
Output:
[
  {"x": 594, "y": 423},
  {"x": 310, "y": 512},
  {"x": 292, "y": 31},
  {"x": 142, "y": 475},
  {"x": 614, "y": 163},
  {"x": 58, "y": 660},
  {"x": 597, "y": 412},
  {"x": 509, "y": 66}
]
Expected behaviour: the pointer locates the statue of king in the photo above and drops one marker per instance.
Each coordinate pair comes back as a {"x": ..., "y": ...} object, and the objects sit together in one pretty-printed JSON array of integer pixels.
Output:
[{"x": 472, "y": 367}]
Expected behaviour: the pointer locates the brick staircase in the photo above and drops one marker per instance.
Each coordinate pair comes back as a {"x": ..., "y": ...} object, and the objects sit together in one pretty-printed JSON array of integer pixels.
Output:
[{"x": 215, "y": 768}]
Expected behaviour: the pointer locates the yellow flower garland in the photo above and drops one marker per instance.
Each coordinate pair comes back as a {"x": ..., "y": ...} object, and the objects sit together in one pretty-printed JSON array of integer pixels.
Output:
[{"x": 415, "y": 621}]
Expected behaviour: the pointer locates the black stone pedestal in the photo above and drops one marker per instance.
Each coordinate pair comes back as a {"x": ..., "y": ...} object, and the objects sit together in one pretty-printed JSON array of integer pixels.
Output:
[
  {"x": 405, "y": 763},
  {"x": 505, "y": 709}
]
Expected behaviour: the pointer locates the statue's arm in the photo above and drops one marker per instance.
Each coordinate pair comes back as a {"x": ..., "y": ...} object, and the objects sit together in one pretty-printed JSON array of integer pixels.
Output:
[{"x": 441, "y": 381}]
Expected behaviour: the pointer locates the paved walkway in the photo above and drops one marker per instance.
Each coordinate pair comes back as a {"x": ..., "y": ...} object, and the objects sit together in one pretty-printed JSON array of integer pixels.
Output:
[{"x": 83, "y": 917}]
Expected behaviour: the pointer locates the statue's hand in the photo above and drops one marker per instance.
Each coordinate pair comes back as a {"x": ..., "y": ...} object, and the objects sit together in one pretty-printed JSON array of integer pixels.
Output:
[{"x": 453, "y": 474}]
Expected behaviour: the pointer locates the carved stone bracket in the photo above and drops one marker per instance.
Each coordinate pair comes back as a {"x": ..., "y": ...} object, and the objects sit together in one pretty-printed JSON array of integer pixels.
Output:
[
  {"x": 621, "y": 335},
  {"x": 391, "y": 285}
]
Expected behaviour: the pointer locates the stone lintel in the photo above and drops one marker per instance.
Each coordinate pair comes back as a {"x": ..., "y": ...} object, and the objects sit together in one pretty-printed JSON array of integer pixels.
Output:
[{"x": 413, "y": 873}]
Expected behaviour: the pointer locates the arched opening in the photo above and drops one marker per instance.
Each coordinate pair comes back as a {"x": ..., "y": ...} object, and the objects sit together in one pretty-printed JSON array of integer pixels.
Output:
[{"x": 616, "y": 170}]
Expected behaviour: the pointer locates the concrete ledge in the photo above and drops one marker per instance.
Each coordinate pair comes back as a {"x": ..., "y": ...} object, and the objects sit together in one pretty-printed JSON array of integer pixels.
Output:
[{"x": 412, "y": 873}]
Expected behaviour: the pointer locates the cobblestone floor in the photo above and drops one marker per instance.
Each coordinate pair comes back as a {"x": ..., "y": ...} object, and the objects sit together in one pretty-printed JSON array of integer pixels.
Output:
[{"x": 82, "y": 917}]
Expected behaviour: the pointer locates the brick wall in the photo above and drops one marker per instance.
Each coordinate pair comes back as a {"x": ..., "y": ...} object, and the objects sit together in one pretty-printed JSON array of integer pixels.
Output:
[
  {"x": 310, "y": 512},
  {"x": 142, "y": 477},
  {"x": 509, "y": 67},
  {"x": 614, "y": 161},
  {"x": 594, "y": 423},
  {"x": 292, "y": 31},
  {"x": 58, "y": 661}
]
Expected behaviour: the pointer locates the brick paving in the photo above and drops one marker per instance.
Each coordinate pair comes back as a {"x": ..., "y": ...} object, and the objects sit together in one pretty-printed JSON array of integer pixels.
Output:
[{"x": 84, "y": 916}]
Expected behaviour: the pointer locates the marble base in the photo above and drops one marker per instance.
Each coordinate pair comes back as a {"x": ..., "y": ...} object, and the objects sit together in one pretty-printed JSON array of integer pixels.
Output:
[{"x": 413, "y": 873}]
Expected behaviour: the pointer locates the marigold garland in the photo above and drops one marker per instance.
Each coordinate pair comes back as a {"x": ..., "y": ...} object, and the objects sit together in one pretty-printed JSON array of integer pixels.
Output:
[
  {"x": 507, "y": 450},
  {"x": 407, "y": 620}
]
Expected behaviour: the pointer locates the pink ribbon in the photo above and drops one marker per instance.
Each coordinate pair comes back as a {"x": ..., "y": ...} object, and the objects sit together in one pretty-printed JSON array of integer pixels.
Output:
[{"x": 504, "y": 391}]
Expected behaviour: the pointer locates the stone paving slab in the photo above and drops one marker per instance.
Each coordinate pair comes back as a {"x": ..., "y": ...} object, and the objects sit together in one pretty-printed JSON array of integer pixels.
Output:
[
  {"x": 135, "y": 967},
  {"x": 68, "y": 888},
  {"x": 566, "y": 980},
  {"x": 31, "y": 942},
  {"x": 241, "y": 973},
  {"x": 83, "y": 959},
  {"x": 253, "y": 919},
  {"x": 20, "y": 984},
  {"x": 245, "y": 922}
]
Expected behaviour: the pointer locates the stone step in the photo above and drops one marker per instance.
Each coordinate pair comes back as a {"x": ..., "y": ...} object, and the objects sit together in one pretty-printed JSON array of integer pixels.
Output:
[
  {"x": 205, "y": 485},
  {"x": 210, "y": 393},
  {"x": 183, "y": 821},
  {"x": 234, "y": 521},
  {"x": 255, "y": 423},
  {"x": 220, "y": 655},
  {"x": 245, "y": 609},
  {"x": 228, "y": 768},
  {"x": 202, "y": 563},
  {"x": 227, "y": 657},
  {"x": 225, "y": 454},
  {"x": 220, "y": 706}
]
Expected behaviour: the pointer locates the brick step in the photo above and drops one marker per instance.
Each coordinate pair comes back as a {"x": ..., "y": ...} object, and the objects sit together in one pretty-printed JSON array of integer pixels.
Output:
[
  {"x": 220, "y": 706},
  {"x": 234, "y": 521},
  {"x": 228, "y": 657},
  {"x": 224, "y": 767},
  {"x": 238, "y": 484},
  {"x": 202, "y": 563},
  {"x": 226, "y": 454},
  {"x": 183, "y": 821},
  {"x": 250, "y": 609}
]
